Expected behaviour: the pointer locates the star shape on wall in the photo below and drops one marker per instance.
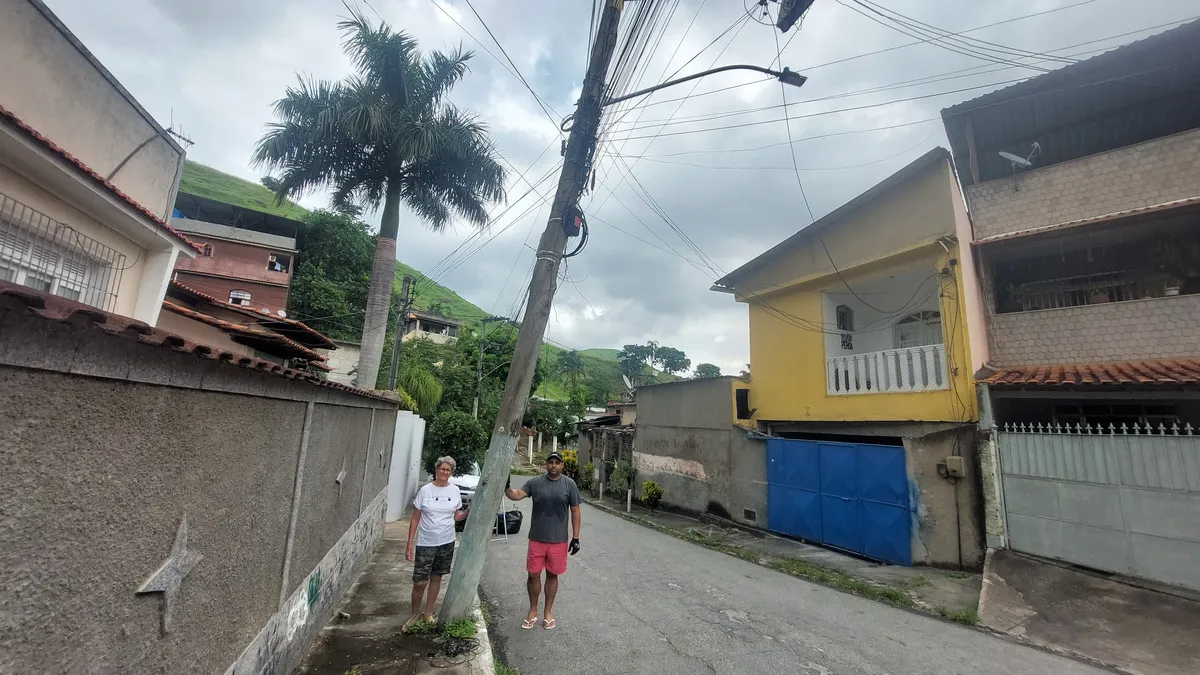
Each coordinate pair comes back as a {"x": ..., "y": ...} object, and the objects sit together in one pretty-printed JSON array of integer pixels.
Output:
[{"x": 171, "y": 573}]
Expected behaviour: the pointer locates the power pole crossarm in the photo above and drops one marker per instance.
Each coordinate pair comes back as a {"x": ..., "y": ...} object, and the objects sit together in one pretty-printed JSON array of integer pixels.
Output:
[{"x": 582, "y": 142}]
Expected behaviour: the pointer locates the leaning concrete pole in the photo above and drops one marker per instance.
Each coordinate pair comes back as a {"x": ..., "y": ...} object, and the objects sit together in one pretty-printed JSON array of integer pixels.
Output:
[{"x": 468, "y": 567}]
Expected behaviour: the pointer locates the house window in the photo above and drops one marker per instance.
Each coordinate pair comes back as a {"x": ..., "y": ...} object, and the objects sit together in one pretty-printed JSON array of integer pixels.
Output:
[
  {"x": 278, "y": 262},
  {"x": 918, "y": 329},
  {"x": 207, "y": 250},
  {"x": 239, "y": 297},
  {"x": 845, "y": 323}
]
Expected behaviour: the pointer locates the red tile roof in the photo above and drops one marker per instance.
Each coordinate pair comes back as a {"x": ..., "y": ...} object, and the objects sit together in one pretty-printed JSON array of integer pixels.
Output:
[
  {"x": 309, "y": 336},
  {"x": 1163, "y": 372},
  {"x": 243, "y": 330},
  {"x": 103, "y": 182},
  {"x": 54, "y": 308}
]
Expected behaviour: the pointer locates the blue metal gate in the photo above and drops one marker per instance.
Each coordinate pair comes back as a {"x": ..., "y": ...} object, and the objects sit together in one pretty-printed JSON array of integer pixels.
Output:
[{"x": 847, "y": 495}]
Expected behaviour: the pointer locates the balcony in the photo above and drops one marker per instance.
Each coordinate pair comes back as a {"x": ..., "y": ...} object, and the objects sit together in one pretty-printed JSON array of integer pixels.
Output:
[
  {"x": 890, "y": 371},
  {"x": 887, "y": 335},
  {"x": 46, "y": 255}
]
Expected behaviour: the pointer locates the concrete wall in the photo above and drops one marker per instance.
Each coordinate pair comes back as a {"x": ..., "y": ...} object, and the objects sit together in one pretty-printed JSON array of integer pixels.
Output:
[
  {"x": 343, "y": 360},
  {"x": 686, "y": 441},
  {"x": 1155, "y": 328},
  {"x": 56, "y": 86},
  {"x": 1138, "y": 175},
  {"x": 112, "y": 443}
]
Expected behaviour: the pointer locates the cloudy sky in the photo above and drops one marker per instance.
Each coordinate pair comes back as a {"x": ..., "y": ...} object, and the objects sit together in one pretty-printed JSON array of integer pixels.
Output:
[{"x": 720, "y": 174}]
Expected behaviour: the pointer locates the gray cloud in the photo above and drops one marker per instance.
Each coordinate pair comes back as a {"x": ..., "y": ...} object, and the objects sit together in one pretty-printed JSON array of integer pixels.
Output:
[{"x": 215, "y": 68}]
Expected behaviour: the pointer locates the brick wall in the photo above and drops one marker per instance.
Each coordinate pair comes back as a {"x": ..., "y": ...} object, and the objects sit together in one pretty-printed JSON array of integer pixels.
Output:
[
  {"x": 1157, "y": 328},
  {"x": 1148, "y": 173}
]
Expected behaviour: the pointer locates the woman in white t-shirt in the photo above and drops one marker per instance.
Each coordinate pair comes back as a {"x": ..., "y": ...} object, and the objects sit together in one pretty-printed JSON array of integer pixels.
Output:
[{"x": 431, "y": 537}]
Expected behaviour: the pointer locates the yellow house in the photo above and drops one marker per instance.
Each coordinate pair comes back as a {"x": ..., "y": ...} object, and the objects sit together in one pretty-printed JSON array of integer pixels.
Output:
[{"x": 865, "y": 334}]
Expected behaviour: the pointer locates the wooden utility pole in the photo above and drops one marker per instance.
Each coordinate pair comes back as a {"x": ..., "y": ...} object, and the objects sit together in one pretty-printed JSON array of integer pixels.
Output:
[{"x": 468, "y": 567}]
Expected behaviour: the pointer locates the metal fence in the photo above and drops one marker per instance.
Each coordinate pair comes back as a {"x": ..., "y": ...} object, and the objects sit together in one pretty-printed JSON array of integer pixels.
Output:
[
  {"x": 40, "y": 252},
  {"x": 1119, "y": 498}
]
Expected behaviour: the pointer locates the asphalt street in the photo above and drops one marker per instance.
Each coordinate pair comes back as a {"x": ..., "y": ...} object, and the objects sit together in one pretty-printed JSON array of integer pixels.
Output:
[{"x": 635, "y": 600}]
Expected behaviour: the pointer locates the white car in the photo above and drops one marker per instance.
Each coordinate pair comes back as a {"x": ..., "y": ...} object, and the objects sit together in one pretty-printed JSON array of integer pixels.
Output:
[{"x": 467, "y": 482}]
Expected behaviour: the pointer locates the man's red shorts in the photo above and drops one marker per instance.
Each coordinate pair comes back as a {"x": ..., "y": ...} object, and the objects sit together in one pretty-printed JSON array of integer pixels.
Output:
[{"x": 549, "y": 557}]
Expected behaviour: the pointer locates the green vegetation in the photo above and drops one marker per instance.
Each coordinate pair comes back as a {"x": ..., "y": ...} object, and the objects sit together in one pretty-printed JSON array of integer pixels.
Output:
[
  {"x": 377, "y": 144},
  {"x": 966, "y": 615},
  {"x": 456, "y": 434},
  {"x": 918, "y": 582},
  {"x": 706, "y": 370},
  {"x": 959, "y": 575},
  {"x": 652, "y": 495},
  {"x": 621, "y": 478},
  {"x": 434, "y": 297},
  {"x": 462, "y": 628},
  {"x": 587, "y": 479},
  {"x": 422, "y": 627},
  {"x": 205, "y": 181},
  {"x": 503, "y": 668}
]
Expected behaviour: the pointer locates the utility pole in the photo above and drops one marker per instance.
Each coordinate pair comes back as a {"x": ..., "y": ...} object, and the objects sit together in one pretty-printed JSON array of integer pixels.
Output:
[
  {"x": 468, "y": 569},
  {"x": 479, "y": 366},
  {"x": 401, "y": 319}
]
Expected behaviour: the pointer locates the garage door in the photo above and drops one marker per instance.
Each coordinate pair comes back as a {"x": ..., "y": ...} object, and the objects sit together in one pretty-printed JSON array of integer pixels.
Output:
[
  {"x": 1118, "y": 500},
  {"x": 846, "y": 495}
]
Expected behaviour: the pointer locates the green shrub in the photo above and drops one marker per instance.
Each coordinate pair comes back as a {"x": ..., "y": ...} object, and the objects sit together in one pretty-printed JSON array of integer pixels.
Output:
[
  {"x": 587, "y": 479},
  {"x": 621, "y": 478},
  {"x": 571, "y": 463},
  {"x": 456, "y": 434},
  {"x": 652, "y": 495}
]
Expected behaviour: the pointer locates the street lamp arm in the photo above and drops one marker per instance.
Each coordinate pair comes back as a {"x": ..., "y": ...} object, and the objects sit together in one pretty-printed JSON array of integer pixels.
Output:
[{"x": 786, "y": 76}]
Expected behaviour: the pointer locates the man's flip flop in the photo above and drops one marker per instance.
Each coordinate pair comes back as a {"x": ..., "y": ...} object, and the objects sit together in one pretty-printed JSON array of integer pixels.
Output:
[
  {"x": 528, "y": 624},
  {"x": 549, "y": 624}
]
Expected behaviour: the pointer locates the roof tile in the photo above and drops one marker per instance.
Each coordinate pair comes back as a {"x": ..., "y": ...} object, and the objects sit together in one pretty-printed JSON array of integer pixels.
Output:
[
  {"x": 1148, "y": 372},
  {"x": 91, "y": 173},
  {"x": 54, "y": 308}
]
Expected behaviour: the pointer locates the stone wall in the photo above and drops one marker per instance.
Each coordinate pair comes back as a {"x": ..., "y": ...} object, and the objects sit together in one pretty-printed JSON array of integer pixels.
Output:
[
  {"x": 164, "y": 512},
  {"x": 1140, "y": 175},
  {"x": 1155, "y": 328}
]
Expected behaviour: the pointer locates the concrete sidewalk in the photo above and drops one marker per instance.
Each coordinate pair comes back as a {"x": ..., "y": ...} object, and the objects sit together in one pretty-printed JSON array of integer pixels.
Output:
[
  {"x": 1075, "y": 612},
  {"x": 950, "y": 594},
  {"x": 364, "y": 637}
]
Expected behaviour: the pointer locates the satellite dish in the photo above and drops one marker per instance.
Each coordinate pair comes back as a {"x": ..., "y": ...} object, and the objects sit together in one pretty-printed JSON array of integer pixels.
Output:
[
  {"x": 264, "y": 310},
  {"x": 628, "y": 384},
  {"x": 1017, "y": 160}
]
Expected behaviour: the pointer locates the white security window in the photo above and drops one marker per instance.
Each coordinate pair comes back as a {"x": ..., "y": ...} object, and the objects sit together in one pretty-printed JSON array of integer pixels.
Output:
[
  {"x": 919, "y": 329},
  {"x": 239, "y": 297}
]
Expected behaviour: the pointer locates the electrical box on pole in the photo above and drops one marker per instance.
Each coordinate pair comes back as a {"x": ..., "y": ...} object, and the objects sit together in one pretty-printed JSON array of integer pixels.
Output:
[
  {"x": 790, "y": 12},
  {"x": 573, "y": 221}
]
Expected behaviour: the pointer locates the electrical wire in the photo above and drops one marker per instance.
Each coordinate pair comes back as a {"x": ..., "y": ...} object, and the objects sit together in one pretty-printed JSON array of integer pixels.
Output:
[{"x": 794, "y": 168}]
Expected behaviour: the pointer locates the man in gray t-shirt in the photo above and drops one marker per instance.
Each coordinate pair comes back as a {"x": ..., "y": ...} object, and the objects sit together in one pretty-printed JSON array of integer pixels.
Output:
[{"x": 554, "y": 496}]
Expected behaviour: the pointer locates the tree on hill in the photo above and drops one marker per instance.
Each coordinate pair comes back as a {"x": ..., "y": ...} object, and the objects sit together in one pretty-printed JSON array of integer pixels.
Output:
[
  {"x": 633, "y": 360},
  {"x": 570, "y": 364},
  {"x": 706, "y": 370},
  {"x": 385, "y": 136},
  {"x": 672, "y": 360},
  {"x": 333, "y": 269}
]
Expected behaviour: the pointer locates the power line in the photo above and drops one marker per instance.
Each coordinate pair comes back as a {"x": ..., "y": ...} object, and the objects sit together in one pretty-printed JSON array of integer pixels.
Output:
[
  {"x": 795, "y": 168},
  {"x": 516, "y": 71}
]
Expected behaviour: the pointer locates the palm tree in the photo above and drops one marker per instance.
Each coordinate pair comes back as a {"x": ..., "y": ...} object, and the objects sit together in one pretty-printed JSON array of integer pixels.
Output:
[{"x": 385, "y": 135}]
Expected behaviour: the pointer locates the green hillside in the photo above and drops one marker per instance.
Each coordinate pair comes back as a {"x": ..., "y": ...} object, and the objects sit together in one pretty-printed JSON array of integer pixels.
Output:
[
  {"x": 205, "y": 181},
  {"x": 433, "y": 295},
  {"x": 603, "y": 354}
]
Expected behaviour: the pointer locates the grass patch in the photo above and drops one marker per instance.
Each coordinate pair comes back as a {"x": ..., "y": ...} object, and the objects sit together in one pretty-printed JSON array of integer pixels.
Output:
[
  {"x": 840, "y": 580},
  {"x": 918, "y": 582},
  {"x": 960, "y": 575},
  {"x": 422, "y": 627},
  {"x": 965, "y": 615},
  {"x": 353, "y": 670},
  {"x": 462, "y": 628},
  {"x": 486, "y": 611},
  {"x": 205, "y": 181},
  {"x": 503, "y": 668},
  {"x": 522, "y": 471}
]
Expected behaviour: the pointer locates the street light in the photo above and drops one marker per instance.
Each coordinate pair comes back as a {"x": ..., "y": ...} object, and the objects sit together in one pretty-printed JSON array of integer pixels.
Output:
[{"x": 786, "y": 76}]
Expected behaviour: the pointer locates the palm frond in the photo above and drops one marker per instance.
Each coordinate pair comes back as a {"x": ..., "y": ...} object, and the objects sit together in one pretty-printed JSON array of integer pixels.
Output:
[
  {"x": 422, "y": 385},
  {"x": 380, "y": 55},
  {"x": 440, "y": 72}
]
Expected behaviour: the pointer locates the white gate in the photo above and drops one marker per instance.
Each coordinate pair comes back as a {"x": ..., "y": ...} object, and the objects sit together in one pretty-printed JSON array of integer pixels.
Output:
[{"x": 1118, "y": 499}]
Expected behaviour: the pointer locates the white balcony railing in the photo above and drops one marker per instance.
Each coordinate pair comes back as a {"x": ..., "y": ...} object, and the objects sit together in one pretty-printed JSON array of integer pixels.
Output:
[{"x": 892, "y": 370}]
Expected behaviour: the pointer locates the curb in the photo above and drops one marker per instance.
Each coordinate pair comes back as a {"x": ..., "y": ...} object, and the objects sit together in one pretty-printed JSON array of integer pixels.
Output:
[
  {"x": 484, "y": 663},
  {"x": 986, "y": 583}
]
